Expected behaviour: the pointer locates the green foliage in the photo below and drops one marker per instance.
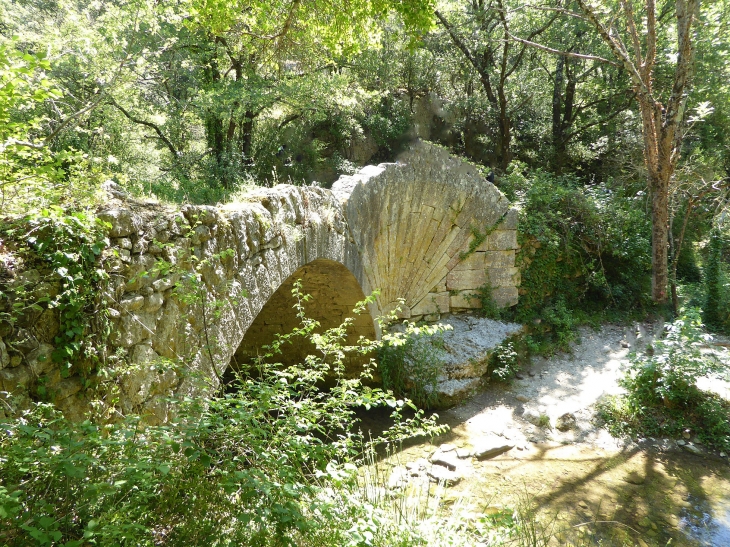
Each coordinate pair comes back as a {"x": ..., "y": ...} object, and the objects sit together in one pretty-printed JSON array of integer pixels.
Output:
[
  {"x": 65, "y": 250},
  {"x": 256, "y": 466},
  {"x": 410, "y": 360},
  {"x": 583, "y": 250},
  {"x": 715, "y": 312},
  {"x": 31, "y": 174},
  {"x": 504, "y": 363},
  {"x": 662, "y": 394},
  {"x": 489, "y": 308}
]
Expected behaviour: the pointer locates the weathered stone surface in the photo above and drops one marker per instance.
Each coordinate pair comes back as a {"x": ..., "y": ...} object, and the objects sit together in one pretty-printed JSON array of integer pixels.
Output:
[
  {"x": 4, "y": 356},
  {"x": 15, "y": 378},
  {"x": 433, "y": 303},
  {"x": 499, "y": 259},
  {"x": 473, "y": 261},
  {"x": 414, "y": 236},
  {"x": 450, "y": 460},
  {"x": 47, "y": 327},
  {"x": 133, "y": 328},
  {"x": 459, "y": 280},
  {"x": 535, "y": 417},
  {"x": 504, "y": 277},
  {"x": 502, "y": 240},
  {"x": 565, "y": 422},
  {"x": 25, "y": 341},
  {"x": 153, "y": 302},
  {"x": 442, "y": 475},
  {"x": 68, "y": 387},
  {"x": 131, "y": 302},
  {"x": 39, "y": 360},
  {"x": 123, "y": 221},
  {"x": 138, "y": 380},
  {"x": 505, "y": 296},
  {"x": 465, "y": 300}
]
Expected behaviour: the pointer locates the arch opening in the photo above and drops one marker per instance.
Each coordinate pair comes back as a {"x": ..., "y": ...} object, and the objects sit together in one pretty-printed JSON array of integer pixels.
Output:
[{"x": 334, "y": 290}]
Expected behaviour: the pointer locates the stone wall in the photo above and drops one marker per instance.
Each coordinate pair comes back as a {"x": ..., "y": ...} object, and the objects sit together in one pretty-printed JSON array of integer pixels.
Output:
[{"x": 196, "y": 287}]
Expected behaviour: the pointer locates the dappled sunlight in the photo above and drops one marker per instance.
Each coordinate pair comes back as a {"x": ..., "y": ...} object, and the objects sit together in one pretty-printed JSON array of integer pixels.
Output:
[{"x": 589, "y": 485}]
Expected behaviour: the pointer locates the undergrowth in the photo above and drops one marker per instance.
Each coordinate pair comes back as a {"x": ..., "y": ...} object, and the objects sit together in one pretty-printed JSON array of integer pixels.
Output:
[
  {"x": 410, "y": 360},
  {"x": 61, "y": 255},
  {"x": 663, "y": 398},
  {"x": 245, "y": 468}
]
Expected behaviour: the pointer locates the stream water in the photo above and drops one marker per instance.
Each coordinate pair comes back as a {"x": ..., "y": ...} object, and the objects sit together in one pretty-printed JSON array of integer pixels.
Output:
[{"x": 596, "y": 490}]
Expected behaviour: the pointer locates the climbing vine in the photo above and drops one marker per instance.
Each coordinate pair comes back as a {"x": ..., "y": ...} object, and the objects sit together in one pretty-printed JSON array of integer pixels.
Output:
[
  {"x": 61, "y": 254},
  {"x": 480, "y": 236}
]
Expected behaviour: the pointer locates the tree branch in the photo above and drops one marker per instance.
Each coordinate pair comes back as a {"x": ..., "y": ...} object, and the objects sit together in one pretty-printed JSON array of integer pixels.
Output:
[
  {"x": 151, "y": 125},
  {"x": 563, "y": 53}
]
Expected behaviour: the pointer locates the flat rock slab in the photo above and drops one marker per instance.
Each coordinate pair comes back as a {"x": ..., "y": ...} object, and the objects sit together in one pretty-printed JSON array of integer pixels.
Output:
[
  {"x": 491, "y": 449},
  {"x": 449, "y": 460}
]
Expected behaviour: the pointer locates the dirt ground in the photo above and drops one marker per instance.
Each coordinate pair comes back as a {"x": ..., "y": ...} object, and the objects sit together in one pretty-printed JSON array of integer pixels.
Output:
[{"x": 590, "y": 488}]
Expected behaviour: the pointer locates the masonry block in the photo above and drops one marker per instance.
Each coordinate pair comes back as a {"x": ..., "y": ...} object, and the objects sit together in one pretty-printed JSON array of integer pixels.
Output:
[
  {"x": 459, "y": 280},
  {"x": 503, "y": 277},
  {"x": 502, "y": 240},
  {"x": 505, "y": 297},
  {"x": 434, "y": 303},
  {"x": 465, "y": 300}
]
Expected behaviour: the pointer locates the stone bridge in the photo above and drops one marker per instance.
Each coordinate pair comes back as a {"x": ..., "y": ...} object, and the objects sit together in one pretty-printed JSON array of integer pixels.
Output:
[{"x": 198, "y": 289}]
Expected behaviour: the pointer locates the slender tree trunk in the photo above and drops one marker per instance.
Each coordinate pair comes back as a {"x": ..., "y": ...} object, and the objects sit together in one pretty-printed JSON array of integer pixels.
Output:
[
  {"x": 247, "y": 137},
  {"x": 557, "y": 133},
  {"x": 557, "y": 101},
  {"x": 660, "y": 238},
  {"x": 504, "y": 152}
]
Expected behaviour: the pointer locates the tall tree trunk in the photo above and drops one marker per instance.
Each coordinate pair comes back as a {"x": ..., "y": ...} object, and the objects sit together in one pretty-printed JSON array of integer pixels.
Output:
[
  {"x": 504, "y": 150},
  {"x": 661, "y": 126},
  {"x": 247, "y": 137},
  {"x": 659, "y": 237},
  {"x": 557, "y": 133},
  {"x": 557, "y": 101}
]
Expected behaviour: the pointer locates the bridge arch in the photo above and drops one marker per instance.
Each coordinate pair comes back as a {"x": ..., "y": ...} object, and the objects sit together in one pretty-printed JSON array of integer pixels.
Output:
[
  {"x": 334, "y": 292},
  {"x": 428, "y": 228}
]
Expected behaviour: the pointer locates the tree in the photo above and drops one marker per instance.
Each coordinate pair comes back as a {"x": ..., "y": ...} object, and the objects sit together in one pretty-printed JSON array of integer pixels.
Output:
[
  {"x": 494, "y": 57},
  {"x": 633, "y": 43}
]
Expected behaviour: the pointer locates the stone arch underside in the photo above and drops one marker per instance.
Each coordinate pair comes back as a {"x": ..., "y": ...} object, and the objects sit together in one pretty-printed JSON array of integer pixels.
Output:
[
  {"x": 305, "y": 235},
  {"x": 334, "y": 292}
]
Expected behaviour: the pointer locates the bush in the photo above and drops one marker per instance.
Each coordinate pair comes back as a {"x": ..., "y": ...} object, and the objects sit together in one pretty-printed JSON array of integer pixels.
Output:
[
  {"x": 410, "y": 361},
  {"x": 504, "y": 362},
  {"x": 248, "y": 468},
  {"x": 584, "y": 250},
  {"x": 662, "y": 394}
]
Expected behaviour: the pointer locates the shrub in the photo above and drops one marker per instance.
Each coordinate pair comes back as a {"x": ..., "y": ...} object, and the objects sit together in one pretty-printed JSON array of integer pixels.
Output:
[
  {"x": 504, "y": 362},
  {"x": 410, "y": 361},
  {"x": 250, "y": 467},
  {"x": 584, "y": 250},
  {"x": 662, "y": 394}
]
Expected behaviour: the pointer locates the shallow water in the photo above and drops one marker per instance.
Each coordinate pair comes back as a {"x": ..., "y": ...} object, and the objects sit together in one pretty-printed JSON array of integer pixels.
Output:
[{"x": 707, "y": 522}]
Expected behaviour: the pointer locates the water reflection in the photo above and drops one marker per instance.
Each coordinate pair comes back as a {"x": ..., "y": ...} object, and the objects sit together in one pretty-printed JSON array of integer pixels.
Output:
[{"x": 709, "y": 526}]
